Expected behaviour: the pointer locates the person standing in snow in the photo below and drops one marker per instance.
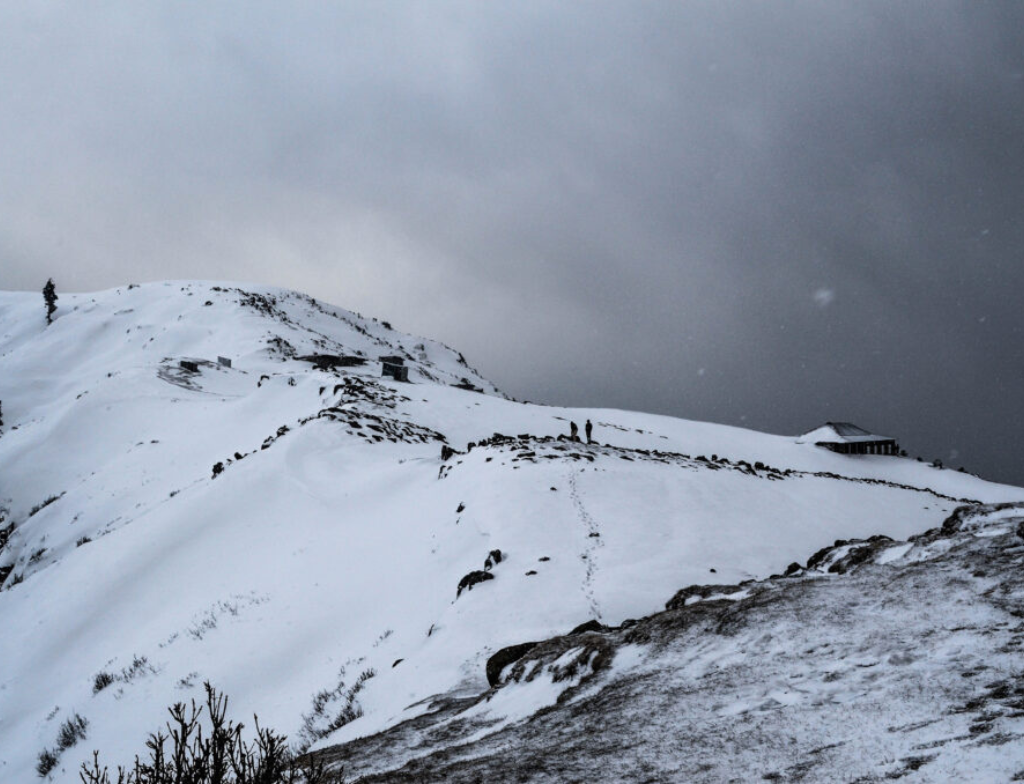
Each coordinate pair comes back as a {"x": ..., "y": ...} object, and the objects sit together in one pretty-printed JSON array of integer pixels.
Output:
[
  {"x": 50, "y": 297},
  {"x": 573, "y": 432},
  {"x": 589, "y": 429}
]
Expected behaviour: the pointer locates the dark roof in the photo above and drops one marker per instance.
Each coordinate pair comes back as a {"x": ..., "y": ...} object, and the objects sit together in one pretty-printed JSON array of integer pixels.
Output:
[
  {"x": 847, "y": 429},
  {"x": 841, "y": 433}
]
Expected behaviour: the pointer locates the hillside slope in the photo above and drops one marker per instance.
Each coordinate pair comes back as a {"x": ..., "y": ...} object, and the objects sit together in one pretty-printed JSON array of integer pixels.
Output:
[
  {"x": 285, "y": 527},
  {"x": 881, "y": 661}
]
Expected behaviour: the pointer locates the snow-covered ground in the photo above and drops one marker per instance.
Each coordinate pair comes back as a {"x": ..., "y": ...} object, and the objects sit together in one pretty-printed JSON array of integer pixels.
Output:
[
  {"x": 332, "y": 540},
  {"x": 902, "y": 664}
]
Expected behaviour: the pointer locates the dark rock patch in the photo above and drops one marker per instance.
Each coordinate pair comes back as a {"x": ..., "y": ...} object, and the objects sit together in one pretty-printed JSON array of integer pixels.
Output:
[
  {"x": 590, "y": 626},
  {"x": 471, "y": 579},
  {"x": 861, "y": 554},
  {"x": 678, "y": 601},
  {"x": 493, "y": 559},
  {"x": 332, "y": 361},
  {"x": 506, "y": 656}
]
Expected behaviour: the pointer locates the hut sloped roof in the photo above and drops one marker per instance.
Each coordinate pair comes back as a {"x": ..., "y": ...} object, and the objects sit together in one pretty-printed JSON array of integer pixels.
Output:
[{"x": 840, "y": 433}]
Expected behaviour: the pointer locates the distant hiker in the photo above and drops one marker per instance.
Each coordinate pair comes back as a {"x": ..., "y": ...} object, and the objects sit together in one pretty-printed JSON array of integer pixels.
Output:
[
  {"x": 589, "y": 429},
  {"x": 573, "y": 432},
  {"x": 50, "y": 297}
]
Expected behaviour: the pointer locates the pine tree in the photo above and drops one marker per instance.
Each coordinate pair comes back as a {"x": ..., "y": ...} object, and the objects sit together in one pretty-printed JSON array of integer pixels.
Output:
[{"x": 50, "y": 295}]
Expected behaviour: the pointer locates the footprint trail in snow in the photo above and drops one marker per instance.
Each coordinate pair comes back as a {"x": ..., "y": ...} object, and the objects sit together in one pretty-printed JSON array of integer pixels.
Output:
[{"x": 593, "y": 542}]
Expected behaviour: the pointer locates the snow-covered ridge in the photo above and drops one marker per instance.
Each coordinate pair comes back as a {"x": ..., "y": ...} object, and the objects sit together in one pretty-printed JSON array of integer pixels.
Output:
[
  {"x": 332, "y": 539},
  {"x": 878, "y": 660}
]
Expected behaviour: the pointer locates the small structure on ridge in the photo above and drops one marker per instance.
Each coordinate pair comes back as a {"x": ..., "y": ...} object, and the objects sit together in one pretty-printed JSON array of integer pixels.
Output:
[
  {"x": 394, "y": 366},
  {"x": 849, "y": 439},
  {"x": 331, "y": 361}
]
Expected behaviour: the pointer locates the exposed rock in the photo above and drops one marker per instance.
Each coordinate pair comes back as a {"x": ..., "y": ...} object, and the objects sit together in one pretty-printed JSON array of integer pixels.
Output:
[
  {"x": 471, "y": 579},
  {"x": 860, "y": 554},
  {"x": 506, "y": 656},
  {"x": 332, "y": 361},
  {"x": 701, "y": 591},
  {"x": 493, "y": 559},
  {"x": 590, "y": 626}
]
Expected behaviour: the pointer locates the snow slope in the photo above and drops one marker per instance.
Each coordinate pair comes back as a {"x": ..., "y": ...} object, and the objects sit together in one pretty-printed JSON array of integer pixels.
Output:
[
  {"x": 332, "y": 542},
  {"x": 881, "y": 661}
]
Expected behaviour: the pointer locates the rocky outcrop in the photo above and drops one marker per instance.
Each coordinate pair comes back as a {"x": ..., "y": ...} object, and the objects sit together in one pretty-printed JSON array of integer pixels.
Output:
[
  {"x": 471, "y": 579},
  {"x": 506, "y": 656}
]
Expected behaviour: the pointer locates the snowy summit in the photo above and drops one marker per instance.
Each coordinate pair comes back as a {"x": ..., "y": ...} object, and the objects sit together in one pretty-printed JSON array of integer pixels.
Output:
[{"x": 354, "y": 535}]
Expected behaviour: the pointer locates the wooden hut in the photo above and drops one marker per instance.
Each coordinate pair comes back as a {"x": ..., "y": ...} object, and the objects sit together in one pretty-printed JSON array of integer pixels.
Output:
[{"x": 849, "y": 439}]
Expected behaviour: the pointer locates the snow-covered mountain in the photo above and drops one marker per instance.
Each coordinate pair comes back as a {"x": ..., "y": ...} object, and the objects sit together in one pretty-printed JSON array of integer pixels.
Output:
[{"x": 286, "y": 527}]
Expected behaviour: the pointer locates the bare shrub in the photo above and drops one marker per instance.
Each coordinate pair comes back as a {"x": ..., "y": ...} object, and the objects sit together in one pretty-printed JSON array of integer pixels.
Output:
[
  {"x": 101, "y": 681},
  {"x": 139, "y": 666},
  {"x": 333, "y": 708},
  {"x": 214, "y": 755},
  {"x": 71, "y": 731},
  {"x": 45, "y": 762},
  {"x": 38, "y": 507}
]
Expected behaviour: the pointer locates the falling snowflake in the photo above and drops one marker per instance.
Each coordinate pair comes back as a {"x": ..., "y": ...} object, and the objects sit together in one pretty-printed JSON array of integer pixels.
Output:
[{"x": 824, "y": 297}]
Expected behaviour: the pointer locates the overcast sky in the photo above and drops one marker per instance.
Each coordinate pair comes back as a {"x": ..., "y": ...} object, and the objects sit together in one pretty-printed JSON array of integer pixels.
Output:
[{"x": 765, "y": 214}]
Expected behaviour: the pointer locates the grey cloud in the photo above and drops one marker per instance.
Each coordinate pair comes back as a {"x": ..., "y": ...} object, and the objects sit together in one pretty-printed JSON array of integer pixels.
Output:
[{"x": 593, "y": 204}]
